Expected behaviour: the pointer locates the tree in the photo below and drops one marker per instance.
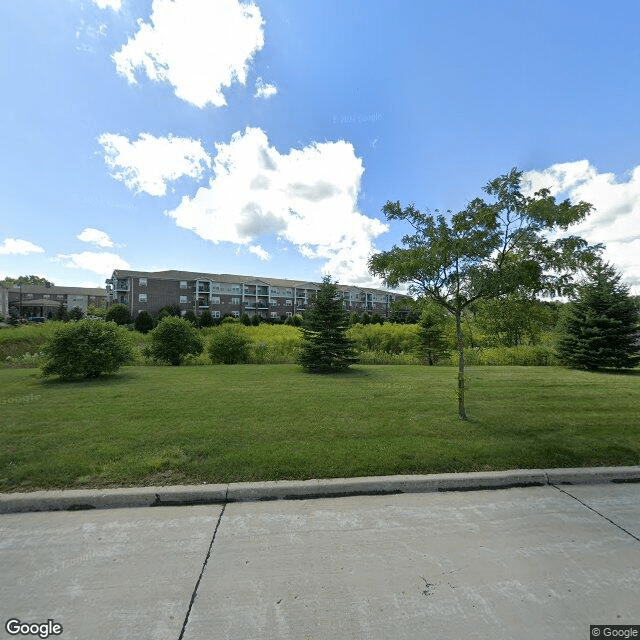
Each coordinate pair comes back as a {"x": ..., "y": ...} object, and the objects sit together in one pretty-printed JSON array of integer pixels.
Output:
[
  {"x": 514, "y": 319},
  {"x": 86, "y": 349},
  {"x": 173, "y": 339},
  {"x": 36, "y": 280},
  {"x": 600, "y": 327},
  {"x": 118, "y": 313},
  {"x": 206, "y": 320},
  {"x": 325, "y": 347},
  {"x": 75, "y": 314},
  {"x": 229, "y": 344},
  {"x": 143, "y": 322},
  {"x": 485, "y": 251},
  {"x": 190, "y": 316},
  {"x": 432, "y": 341}
]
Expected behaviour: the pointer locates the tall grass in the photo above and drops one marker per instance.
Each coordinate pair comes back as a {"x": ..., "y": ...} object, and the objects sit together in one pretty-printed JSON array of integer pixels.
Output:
[{"x": 278, "y": 344}]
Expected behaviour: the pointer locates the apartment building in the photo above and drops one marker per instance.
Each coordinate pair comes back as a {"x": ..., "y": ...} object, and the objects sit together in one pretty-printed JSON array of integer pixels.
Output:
[
  {"x": 38, "y": 300},
  {"x": 224, "y": 294}
]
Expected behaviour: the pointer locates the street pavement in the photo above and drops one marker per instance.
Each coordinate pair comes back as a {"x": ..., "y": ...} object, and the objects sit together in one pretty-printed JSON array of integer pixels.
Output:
[{"x": 535, "y": 562}]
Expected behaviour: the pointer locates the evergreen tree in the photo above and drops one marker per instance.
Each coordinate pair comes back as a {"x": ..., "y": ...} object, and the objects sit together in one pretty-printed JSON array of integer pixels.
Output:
[
  {"x": 432, "y": 342},
  {"x": 206, "y": 319},
  {"x": 325, "y": 347},
  {"x": 600, "y": 328},
  {"x": 143, "y": 322}
]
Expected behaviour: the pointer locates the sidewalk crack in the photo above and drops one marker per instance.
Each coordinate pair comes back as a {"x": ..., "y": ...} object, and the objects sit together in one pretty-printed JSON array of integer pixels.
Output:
[
  {"x": 584, "y": 504},
  {"x": 204, "y": 566}
]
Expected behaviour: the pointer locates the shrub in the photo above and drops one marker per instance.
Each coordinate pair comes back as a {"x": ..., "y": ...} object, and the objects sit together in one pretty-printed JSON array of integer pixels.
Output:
[
  {"x": 191, "y": 317},
  {"x": 206, "y": 320},
  {"x": 75, "y": 314},
  {"x": 229, "y": 344},
  {"x": 173, "y": 339},
  {"x": 143, "y": 323},
  {"x": 86, "y": 349},
  {"x": 118, "y": 313}
]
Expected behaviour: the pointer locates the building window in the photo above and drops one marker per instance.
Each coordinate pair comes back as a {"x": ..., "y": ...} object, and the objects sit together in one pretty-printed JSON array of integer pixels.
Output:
[
  {"x": 235, "y": 288},
  {"x": 183, "y": 284},
  {"x": 183, "y": 300},
  {"x": 274, "y": 314},
  {"x": 288, "y": 302},
  {"x": 215, "y": 314},
  {"x": 215, "y": 300},
  {"x": 235, "y": 314},
  {"x": 46, "y": 295},
  {"x": 235, "y": 300},
  {"x": 142, "y": 297},
  {"x": 288, "y": 314},
  {"x": 142, "y": 282}
]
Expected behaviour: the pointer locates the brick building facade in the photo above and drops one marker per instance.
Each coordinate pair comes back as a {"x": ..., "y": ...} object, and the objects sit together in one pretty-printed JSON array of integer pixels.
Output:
[{"x": 224, "y": 294}]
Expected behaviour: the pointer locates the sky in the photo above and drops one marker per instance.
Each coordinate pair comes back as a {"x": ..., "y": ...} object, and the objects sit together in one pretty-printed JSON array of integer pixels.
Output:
[{"x": 263, "y": 138}]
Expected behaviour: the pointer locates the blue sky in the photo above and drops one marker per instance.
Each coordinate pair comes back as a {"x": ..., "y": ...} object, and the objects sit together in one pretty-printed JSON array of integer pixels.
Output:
[{"x": 264, "y": 138}]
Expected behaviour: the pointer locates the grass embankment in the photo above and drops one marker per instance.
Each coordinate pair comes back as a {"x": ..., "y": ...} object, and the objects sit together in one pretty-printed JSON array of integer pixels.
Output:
[{"x": 167, "y": 425}]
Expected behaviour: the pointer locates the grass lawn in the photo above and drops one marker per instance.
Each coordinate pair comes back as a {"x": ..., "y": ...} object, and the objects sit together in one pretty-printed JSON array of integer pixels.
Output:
[{"x": 168, "y": 425}]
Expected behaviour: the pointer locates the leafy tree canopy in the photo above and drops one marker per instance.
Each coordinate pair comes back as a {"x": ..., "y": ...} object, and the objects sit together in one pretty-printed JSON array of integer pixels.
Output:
[
  {"x": 487, "y": 250},
  {"x": 37, "y": 280}
]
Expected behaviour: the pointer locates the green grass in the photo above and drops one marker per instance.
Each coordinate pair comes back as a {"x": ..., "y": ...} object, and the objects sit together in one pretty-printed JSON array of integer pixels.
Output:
[{"x": 167, "y": 425}]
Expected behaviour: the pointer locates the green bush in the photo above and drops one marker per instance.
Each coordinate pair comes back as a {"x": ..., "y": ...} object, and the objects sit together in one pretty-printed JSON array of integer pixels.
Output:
[
  {"x": 118, "y": 313},
  {"x": 86, "y": 349},
  {"x": 174, "y": 339},
  {"x": 229, "y": 344},
  {"x": 391, "y": 338},
  {"x": 144, "y": 322}
]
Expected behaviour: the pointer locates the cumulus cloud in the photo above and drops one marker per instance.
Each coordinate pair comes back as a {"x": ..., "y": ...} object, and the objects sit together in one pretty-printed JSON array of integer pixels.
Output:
[
  {"x": 149, "y": 163},
  {"x": 95, "y": 236},
  {"x": 264, "y": 89},
  {"x": 616, "y": 218},
  {"x": 14, "y": 246},
  {"x": 198, "y": 46},
  {"x": 108, "y": 4},
  {"x": 307, "y": 197},
  {"x": 259, "y": 251},
  {"x": 102, "y": 263}
]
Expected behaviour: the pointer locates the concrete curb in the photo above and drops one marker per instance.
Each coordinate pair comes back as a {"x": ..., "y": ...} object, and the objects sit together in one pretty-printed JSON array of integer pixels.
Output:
[{"x": 80, "y": 499}]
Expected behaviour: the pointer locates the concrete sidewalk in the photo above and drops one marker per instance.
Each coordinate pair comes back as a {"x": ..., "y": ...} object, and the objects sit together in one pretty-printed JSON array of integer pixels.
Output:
[{"x": 534, "y": 562}]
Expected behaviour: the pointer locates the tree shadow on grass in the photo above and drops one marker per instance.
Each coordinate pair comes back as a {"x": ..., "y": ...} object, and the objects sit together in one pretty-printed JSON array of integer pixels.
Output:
[{"x": 107, "y": 379}]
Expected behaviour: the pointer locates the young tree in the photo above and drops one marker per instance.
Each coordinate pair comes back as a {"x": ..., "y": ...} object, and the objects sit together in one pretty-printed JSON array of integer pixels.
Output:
[
  {"x": 601, "y": 327},
  {"x": 486, "y": 251},
  {"x": 118, "y": 313},
  {"x": 206, "y": 319},
  {"x": 432, "y": 342},
  {"x": 86, "y": 349},
  {"x": 143, "y": 322},
  {"x": 173, "y": 339},
  {"x": 325, "y": 347}
]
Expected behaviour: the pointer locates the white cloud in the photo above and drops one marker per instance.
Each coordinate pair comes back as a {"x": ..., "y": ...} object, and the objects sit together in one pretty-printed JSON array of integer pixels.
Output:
[
  {"x": 616, "y": 218},
  {"x": 198, "y": 46},
  {"x": 95, "y": 236},
  {"x": 307, "y": 197},
  {"x": 147, "y": 164},
  {"x": 14, "y": 246},
  {"x": 264, "y": 89},
  {"x": 108, "y": 4},
  {"x": 259, "y": 251},
  {"x": 102, "y": 263}
]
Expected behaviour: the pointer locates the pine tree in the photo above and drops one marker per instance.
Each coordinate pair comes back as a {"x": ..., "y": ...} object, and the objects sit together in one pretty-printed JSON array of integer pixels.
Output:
[
  {"x": 325, "y": 347},
  {"x": 432, "y": 342},
  {"x": 600, "y": 328}
]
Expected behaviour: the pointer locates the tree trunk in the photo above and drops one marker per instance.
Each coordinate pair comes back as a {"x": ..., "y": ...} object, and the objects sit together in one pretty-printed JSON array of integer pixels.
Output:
[{"x": 461, "y": 412}]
